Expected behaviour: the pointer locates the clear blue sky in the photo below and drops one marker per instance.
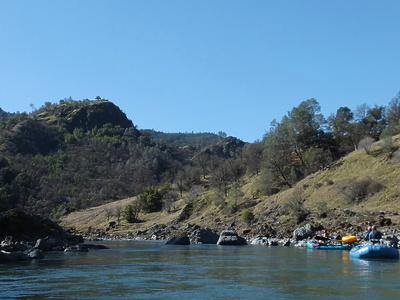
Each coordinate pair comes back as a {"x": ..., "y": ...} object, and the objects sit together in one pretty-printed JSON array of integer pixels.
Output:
[{"x": 201, "y": 66}]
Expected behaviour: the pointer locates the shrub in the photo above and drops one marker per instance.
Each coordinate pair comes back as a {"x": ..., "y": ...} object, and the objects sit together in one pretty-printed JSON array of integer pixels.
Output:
[
  {"x": 151, "y": 200},
  {"x": 129, "y": 214},
  {"x": 248, "y": 216},
  {"x": 359, "y": 190}
]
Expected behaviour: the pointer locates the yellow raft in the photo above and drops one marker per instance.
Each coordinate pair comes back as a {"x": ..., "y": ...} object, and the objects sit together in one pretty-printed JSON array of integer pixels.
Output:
[{"x": 349, "y": 238}]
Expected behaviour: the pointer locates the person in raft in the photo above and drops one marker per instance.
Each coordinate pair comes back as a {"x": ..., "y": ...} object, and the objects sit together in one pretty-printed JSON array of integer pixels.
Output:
[
  {"x": 375, "y": 235},
  {"x": 366, "y": 236},
  {"x": 338, "y": 237}
]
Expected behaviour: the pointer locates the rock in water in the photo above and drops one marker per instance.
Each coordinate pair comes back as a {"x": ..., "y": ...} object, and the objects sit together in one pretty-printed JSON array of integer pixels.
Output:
[
  {"x": 203, "y": 236},
  {"x": 179, "y": 240},
  {"x": 35, "y": 254},
  {"x": 230, "y": 237},
  {"x": 303, "y": 232}
]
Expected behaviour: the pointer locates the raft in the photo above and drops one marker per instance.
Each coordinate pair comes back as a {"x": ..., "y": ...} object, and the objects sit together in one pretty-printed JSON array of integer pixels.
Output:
[
  {"x": 374, "y": 251},
  {"x": 322, "y": 246},
  {"x": 349, "y": 238}
]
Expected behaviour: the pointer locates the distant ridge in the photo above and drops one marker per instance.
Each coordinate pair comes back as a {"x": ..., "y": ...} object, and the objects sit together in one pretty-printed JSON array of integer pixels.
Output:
[{"x": 181, "y": 139}]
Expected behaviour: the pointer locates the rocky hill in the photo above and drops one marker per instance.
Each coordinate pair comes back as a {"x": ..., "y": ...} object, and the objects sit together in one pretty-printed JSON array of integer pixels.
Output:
[{"x": 85, "y": 115}]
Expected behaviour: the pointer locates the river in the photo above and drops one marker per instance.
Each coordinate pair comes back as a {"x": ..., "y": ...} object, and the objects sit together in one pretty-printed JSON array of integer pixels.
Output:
[{"x": 153, "y": 270}]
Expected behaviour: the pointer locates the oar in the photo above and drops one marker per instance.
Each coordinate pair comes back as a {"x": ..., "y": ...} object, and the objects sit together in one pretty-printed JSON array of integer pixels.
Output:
[{"x": 321, "y": 238}]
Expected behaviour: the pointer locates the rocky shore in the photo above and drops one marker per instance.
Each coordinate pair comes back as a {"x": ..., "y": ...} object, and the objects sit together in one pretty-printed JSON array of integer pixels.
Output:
[
  {"x": 194, "y": 234},
  {"x": 26, "y": 237}
]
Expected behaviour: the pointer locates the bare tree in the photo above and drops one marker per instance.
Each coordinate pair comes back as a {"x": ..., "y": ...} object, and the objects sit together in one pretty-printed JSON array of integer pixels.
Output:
[
  {"x": 109, "y": 211},
  {"x": 366, "y": 144},
  {"x": 118, "y": 213}
]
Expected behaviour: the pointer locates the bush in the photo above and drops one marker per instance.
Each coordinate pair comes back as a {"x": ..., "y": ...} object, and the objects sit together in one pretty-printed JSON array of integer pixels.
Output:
[
  {"x": 360, "y": 190},
  {"x": 248, "y": 216},
  {"x": 151, "y": 200},
  {"x": 129, "y": 214}
]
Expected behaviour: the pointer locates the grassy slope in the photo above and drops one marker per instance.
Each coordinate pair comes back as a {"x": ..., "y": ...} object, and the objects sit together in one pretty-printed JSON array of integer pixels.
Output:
[{"x": 316, "y": 193}]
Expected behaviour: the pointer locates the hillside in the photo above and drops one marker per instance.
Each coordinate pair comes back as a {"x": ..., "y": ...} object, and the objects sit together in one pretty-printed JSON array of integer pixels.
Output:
[
  {"x": 325, "y": 199},
  {"x": 78, "y": 154}
]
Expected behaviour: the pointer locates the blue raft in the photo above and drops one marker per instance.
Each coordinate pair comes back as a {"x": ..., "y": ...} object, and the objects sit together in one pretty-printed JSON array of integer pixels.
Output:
[
  {"x": 374, "y": 251},
  {"x": 323, "y": 246}
]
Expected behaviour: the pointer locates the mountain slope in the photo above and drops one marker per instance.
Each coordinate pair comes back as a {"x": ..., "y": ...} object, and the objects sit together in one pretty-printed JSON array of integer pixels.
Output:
[{"x": 356, "y": 191}]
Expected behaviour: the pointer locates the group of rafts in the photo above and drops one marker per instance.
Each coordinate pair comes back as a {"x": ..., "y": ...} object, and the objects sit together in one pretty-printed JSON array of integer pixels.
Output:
[{"x": 357, "y": 249}]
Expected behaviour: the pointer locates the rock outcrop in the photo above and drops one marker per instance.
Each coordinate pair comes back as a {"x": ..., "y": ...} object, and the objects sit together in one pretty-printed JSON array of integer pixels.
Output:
[
  {"x": 25, "y": 237},
  {"x": 305, "y": 232},
  {"x": 179, "y": 240},
  {"x": 231, "y": 238},
  {"x": 203, "y": 236}
]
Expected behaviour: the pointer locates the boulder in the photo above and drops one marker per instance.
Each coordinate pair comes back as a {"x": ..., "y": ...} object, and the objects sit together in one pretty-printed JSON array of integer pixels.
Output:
[
  {"x": 203, "y": 236},
  {"x": 273, "y": 243},
  {"x": 301, "y": 244},
  {"x": 49, "y": 244},
  {"x": 392, "y": 238},
  {"x": 259, "y": 241},
  {"x": 35, "y": 254},
  {"x": 77, "y": 248},
  {"x": 179, "y": 240},
  {"x": 12, "y": 256},
  {"x": 304, "y": 232},
  {"x": 96, "y": 246},
  {"x": 231, "y": 238}
]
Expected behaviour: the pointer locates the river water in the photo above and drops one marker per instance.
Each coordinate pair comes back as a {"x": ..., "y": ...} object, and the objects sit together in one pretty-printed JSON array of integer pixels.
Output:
[{"x": 153, "y": 270}]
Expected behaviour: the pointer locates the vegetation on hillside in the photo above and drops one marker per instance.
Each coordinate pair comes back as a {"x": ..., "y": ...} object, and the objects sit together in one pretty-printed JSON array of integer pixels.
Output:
[{"x": 77, "y": 154}]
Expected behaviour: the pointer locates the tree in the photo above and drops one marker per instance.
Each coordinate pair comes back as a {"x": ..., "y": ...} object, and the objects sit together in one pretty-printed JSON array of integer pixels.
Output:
[
  {"x": 340, "y": 126},
  {"x": 253, "y": 154},
  {"x": 222, "y": 134},
  {"x": 203, "y": 161},
  {"x": 306, "y": 122},
  {"x": 128, "y": 214},
  {"x": 109, "y": 213},
  {"x": 222, "y": 177},
  {"x": 150, "y": 199},
  {"x": 393, "y": 115},
  {"x": 277, "y": 154},
  {"x": 118, "y": 213},
  {"x": 388, "y": 146},
  {"x": 375, "y": 121},
  {"x": 234, "y": 196},
  {"x": 366, "y": 144}
]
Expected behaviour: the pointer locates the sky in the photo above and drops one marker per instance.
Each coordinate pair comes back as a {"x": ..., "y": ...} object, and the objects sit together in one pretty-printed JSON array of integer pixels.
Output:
[{"x": 200, "y": 66}]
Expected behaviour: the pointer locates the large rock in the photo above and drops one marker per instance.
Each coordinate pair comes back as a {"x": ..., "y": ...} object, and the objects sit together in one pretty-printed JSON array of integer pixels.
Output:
[
  {"x": 23, "y": 226},
  {"x": 261, "y": 240},
  {"x": 96, "y": 246},
  {"x": 49, "y": 244},
  {"x": 35, "y": 254},
  {"x": 77, "y": 248},
  {"x": 12, "y": 256},
  {"x": 203, "y": 236},
  {"x": 230, "y": 237},
  {"x": 179, "y": 240},
  {"x": 304, "y": 232}
]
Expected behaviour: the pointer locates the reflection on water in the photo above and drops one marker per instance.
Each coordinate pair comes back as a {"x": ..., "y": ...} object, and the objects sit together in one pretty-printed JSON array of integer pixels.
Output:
[{"x": 153, "y": 270}]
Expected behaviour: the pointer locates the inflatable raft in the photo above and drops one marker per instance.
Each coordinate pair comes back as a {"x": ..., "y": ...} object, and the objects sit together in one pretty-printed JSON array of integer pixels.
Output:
[
  {"x": 374, "y": 251},
  {"x": 323, "y": 246}
]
